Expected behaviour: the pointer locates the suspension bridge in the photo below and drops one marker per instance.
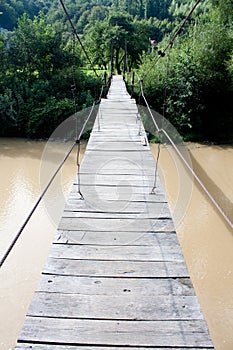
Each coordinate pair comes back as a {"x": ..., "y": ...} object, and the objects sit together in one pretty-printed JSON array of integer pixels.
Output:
[{"x": 115, "y": 277}]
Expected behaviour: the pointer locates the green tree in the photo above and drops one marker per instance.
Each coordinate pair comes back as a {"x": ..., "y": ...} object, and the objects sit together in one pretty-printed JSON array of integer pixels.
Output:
[
  {"x": 121, "y": 34},
  {"x": 35, "y": 79},
  {"x": 8, "y": 113},
  {"x": 35, "y": 47},
  {"x": 3, "y": 56},
  {"x": 157, "y": 8},
  {"x": 225, "y": 8},
  {"x": 8, "y": 17},
  {"x": 199, "y": 82},
  {"x": 98, "y": 43}
]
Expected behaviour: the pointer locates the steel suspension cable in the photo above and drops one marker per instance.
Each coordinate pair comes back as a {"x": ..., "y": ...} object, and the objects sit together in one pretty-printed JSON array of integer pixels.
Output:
[
  {"x": 78, "y": 37},
  {"x": 163, "y": 118}
]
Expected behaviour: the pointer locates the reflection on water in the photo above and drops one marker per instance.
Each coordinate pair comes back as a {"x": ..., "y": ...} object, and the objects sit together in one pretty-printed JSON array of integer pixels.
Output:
[{"x": 206, "y": 240}]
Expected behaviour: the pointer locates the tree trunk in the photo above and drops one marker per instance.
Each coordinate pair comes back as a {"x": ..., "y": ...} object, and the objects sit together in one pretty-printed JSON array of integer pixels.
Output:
[{"x": 118, "y": 64}]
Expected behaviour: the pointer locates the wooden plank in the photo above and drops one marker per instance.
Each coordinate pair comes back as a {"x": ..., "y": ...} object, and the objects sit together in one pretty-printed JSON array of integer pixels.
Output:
[
  {"x": 106, "y": 190},
  {"x": 122, "y": 269},
  {"x": 143, "y": 158},
  {"x": 132, "y": 194},
  {"x": 114, "y": 286},
  {"x": 132, "y": 157},
  {"x": 67, "y": 347},
  {"x": 107, "y": 175},
  {"x": 105, "y": 137},
  {"x": 115, "y": 215},
  {"x": 112, "y": 167},
  {"x": 90, "y": 224},
  {"x": 117, "y": 238},
  {"x": 117, "y": 180},
  {"x": 126, "y": 306},
  {"x": 124, "y": 333},
  {"x": 154, "y": 208},
  {"x": 94, "y": 164},
  {"x": 99, "y": 198},
  {"x": 134, "y": 148},
  {"x": 116, "y": 146},
  {"x": 123, "y": 200},
  {"x": 126, "y": 253},
  {"x": 94, "y": 185},
  {"x": 108, "y": 169}
]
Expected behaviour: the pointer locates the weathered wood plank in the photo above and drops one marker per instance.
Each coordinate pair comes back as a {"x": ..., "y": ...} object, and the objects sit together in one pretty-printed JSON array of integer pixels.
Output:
[
  {"x": 74, "y": 199},
  {"x": 67, "y": 347},
  {"x": 121, "y": 161},
  {"x": 116, "y": 238},
  {"x": 100, "y": 196},
  {"x": 133, "y": 225},
  {"x": 143, "y": 160},
  {"x": 119, "y": 207},
  {"x": 123, "y": 269},
  {"x": 116, "y": 146},
  {"x": 138, "y": 187},
  {"x": 116, "y": 216},
  {"x": 117, "y": 192},
  {"x": 132, "y": 155},
  {"x": 125, "y": 165},
  {"x": 117, "y": 180},
  {"x": 105, "y": 175},
  {"x": 109, "y": 170},
  {"x": 96, "y": 138},
  {"x": 115, "y": 286},
  {"x": 127, "y": 253},
  {"x": 126, "y": 306},
  {"x": 134, "y": 333}
]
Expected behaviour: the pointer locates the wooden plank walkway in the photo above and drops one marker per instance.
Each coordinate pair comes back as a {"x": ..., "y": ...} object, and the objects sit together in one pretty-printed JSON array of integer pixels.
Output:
[{"x": 115, "y": 277}]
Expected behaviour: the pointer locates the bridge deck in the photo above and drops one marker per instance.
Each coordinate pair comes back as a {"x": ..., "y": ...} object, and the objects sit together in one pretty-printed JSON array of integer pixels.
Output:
[{"x": 115, "y": 277}]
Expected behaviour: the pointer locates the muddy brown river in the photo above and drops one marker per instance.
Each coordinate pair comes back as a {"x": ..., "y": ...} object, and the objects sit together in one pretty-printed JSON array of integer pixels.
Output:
[{"x": 205, "y": 237}]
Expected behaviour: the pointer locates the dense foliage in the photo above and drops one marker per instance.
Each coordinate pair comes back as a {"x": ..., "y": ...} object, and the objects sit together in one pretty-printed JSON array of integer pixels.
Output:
[
  {"x": 36, "y": 61},
  {"x": 36, "y": 77},
  {"x": 197, "y": 77}
]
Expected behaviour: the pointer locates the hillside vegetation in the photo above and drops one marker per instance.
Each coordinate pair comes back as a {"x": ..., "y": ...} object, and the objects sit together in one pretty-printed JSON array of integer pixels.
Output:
[{"x": 36, "y": 61}]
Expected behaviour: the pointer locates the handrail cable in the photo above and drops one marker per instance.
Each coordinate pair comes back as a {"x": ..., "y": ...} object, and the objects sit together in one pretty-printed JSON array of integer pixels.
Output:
[
  {"x": 159, "y": 130},
  {"x": 78, "y": 152},
  {"x": 73, "y": 86},
  {"x": 78, "y": 37},
  {"x": 163, "y": 117},
  {"x": 77, "y": 142},
  {"x": 171, "y": 41}
]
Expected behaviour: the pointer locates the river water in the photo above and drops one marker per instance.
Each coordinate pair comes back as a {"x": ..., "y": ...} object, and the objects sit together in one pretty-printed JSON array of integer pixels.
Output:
[
  {"x": 206, "y": 239},
  {"x": 20, "y": 186}
]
